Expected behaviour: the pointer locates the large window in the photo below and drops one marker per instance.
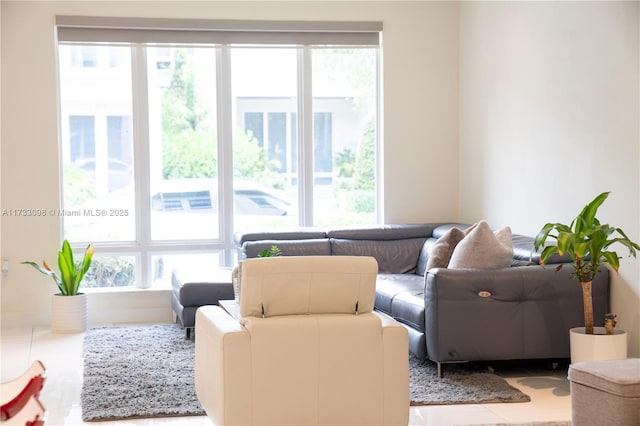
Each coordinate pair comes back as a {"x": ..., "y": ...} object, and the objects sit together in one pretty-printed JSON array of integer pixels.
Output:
[{"x": 172, "y": 141}]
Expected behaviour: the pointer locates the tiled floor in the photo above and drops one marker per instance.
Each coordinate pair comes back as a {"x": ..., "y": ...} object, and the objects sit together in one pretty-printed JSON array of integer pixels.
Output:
[{"x": 62, "y": 355}]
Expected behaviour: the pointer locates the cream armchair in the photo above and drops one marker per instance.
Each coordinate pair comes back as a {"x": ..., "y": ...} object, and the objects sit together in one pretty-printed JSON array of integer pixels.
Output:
[{"x": 307, "y": 350}]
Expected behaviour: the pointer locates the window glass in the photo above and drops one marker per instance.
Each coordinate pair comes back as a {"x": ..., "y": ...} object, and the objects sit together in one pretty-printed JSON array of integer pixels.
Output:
[
  {"x": 163, "y": 265},
  {"x": 97, "y": 148},
  {"x": 110, "y": 271},
  {"x": 264, "y": 176},
  {"x": 254, "y": 126},
  {"x": 344, "y": 136},
  {"x": 182, "y": 143}
]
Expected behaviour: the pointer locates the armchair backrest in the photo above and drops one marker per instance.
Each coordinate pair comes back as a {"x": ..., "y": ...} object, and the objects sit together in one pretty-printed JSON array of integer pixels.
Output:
[
  {"x": 297, "y": 285},
  {"x": 301, "y": 354}
]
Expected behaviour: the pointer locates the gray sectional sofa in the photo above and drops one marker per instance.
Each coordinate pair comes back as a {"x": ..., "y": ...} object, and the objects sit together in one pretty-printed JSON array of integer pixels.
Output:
[{"x": 522, "y": 311}]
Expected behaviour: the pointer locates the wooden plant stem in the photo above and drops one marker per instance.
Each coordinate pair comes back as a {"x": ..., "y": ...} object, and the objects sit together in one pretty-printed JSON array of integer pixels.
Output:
[{"x": 588, "y": 307}]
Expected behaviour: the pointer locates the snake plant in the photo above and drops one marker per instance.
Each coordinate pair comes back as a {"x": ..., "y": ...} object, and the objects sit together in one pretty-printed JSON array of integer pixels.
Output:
[{"x": 71, "y": 273}]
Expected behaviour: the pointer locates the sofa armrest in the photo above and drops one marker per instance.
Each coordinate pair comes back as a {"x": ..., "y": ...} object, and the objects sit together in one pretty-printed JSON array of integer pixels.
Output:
[
  {"x": 223, "y": 366},
  {"x": 511, "y": 313}
]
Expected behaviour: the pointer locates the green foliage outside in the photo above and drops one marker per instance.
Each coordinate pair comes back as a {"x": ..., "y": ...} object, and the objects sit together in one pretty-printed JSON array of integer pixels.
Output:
[
  {"x": 362, "y": 197},
  {"x": 250, "y": 161},
  {"x": 110, "y": 272},
  {"x": 181, "y": 109},
  {"x": 190, "y": 145},
  {"x": 344, "y": 163},
  {"x": 365, "y": 169},
  {"x": 189, "y": 154},
  {"x": 77, "y": 189}
]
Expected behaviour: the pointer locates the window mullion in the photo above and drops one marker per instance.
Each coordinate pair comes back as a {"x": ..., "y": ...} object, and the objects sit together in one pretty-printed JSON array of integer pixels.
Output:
[
  {"x": 379, "y": 138},
  {"x": 305, "y": 137},
  {"x": 225, "y": 148},
  {"x": 141, "y": 161}
]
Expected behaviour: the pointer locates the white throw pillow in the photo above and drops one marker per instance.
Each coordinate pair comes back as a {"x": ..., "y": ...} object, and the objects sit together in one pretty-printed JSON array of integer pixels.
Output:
[{"x": 482, "y": 248}]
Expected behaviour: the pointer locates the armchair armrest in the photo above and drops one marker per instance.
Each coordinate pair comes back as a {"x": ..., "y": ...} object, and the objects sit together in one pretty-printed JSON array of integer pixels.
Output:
[
  {"x": 396, "y": 370},
  {"x": 223, "y": 366}
]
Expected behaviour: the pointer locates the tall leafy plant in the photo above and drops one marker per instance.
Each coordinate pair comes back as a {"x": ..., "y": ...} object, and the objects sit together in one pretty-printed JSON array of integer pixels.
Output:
[
  {"x": 587, "y": 243},
  {"x": 71, "y": 273}
]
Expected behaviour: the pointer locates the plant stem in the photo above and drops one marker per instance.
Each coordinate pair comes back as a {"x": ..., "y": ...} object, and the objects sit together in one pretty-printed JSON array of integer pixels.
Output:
[{"x": 587, "y": 306}]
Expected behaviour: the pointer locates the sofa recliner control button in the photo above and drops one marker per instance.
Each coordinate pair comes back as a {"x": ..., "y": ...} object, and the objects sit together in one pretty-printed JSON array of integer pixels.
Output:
[{"x": 484, "y": 294}]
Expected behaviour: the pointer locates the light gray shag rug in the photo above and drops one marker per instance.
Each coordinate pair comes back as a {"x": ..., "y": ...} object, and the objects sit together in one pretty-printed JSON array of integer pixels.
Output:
[
  {"x": 147, "y": 371},
  {"x": 136, "y": 372},
  {"x": 460, "y": 384}
]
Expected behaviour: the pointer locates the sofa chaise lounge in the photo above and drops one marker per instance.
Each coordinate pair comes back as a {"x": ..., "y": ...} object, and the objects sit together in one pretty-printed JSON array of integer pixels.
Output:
[{"x": 519, "y": 311}]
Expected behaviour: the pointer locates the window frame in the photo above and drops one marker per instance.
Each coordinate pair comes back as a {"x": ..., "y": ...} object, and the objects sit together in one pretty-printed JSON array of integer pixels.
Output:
[{"x": 139, "y": 33}]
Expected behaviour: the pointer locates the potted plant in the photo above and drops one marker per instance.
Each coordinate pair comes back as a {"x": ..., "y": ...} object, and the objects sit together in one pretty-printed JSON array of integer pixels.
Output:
[
  {"x": 587, "y": 243},
  {"x": 235, "y": 274},
  {"x": 69, "y": 307},
  {"x": 270, "y": 252}
]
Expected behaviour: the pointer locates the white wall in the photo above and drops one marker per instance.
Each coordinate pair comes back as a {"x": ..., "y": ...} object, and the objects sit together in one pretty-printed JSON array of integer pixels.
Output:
[
  {"x": 549, "y": 117},
  {"x": 420, "y": 126}
]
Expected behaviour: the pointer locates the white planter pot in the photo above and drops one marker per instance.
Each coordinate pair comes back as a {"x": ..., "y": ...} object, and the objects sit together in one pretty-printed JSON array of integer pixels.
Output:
[
  {"x": 597, "y": 346},
  {"x": 69, "y": 313}
]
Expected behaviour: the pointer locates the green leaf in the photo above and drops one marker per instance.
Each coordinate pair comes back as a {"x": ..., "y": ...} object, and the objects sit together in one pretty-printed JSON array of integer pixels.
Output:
[
  {"x": 587, "y": 216},
  {"x": 67, "y": 268},
  {"x": 84, "y": 267},
  {"x": 270, "y": 252},
  {"x": 53, "y": 275},
  {"x": 581, "y": 249},
  {"x": 565, "y": 242},
  {"x": 40, "y": 268},
  {"x": 612, "y": 259},
  {"x": 541, "y": 238},
  {"x": 546, "y": 253}
]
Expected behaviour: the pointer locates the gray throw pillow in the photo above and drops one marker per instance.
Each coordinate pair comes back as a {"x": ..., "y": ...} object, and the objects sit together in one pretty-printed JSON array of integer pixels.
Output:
[
  {"x": 442, "y": 249},
  {"x": 482, "y": 248}
]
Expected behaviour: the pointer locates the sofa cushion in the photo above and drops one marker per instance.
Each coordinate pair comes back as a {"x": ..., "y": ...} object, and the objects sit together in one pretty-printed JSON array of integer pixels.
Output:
[
  {"x": 442, "y": 249},
  {"x": 408, "y": 308},
  {"x": 393, "y": 256},
  {"x": 402, "y": 297},
  {"x": 482, "y": 248}
]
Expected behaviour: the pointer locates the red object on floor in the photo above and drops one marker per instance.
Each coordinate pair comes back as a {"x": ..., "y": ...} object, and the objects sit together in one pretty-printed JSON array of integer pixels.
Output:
[{"x": 20, "y": 403}]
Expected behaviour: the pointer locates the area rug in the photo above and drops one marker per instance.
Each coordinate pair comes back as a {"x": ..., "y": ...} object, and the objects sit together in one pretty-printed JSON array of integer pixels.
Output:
[
  {"x": 460, "y": 384},
  {"x": 147, "y": 371}
]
